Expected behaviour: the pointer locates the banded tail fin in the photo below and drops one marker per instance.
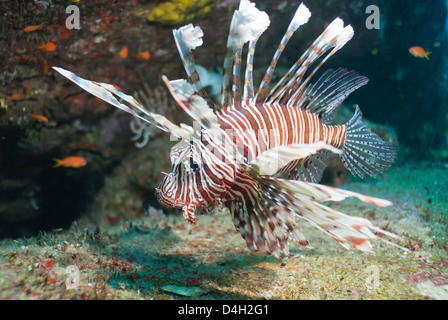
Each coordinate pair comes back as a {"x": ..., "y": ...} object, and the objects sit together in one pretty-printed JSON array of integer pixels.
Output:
[{"x": 364, "y": 152}]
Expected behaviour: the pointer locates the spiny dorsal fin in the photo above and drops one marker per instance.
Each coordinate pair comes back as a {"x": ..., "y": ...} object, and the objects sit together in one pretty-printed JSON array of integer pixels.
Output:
[
  {"x": 107, "y": 92},
  {"x": 326, "y": 95},
  {"x": 188, "y": 38},
  {"x": 291, "y": 86},
  {"x": 247, "y": 24},
  {"x": 301, "y": 17}
]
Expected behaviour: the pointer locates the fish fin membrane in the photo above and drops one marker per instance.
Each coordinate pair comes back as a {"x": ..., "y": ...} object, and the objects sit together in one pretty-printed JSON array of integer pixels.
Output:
[
  {"x": 193, "y": 104},
  {"x": 279, "y": 159},
  {"x": 302, "y": 201},
  {"x": 109, "y": 94},
  {"x": 263, "y": 224},
  {"x": 326, "y": 95},
  {"x": 364, "y": 152},
  {"x": 310, "y": 169},
  {"x": 290, "y": 89},
  {"x": 267, "y": 216}
]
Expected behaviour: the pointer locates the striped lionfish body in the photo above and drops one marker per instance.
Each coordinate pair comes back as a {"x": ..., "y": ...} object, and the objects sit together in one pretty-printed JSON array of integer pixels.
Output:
[{"x": 234, "y": 152}]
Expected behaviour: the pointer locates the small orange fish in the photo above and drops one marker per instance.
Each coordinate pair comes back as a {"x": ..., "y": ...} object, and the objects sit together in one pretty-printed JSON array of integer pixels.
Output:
[
  {"x": 48, "y": 46},
  {"x": 419, "y": 52},
  {"x": 123, "y": 52},
  {"x": 33, "y": 28},
  {"x": 14, "y": 97},
  {"x": 116, "y": 87},
  {"x": 144, "y": 55},
  {"x": 72, "y": 162},
  {"x": 38, "y": 117}
]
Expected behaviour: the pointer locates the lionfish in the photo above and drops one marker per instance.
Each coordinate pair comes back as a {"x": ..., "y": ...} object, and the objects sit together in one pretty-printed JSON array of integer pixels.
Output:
[{"x": 235, "y": 151}]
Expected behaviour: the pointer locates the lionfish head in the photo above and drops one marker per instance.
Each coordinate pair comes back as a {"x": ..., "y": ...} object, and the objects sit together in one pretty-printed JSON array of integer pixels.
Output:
[{"x": 174, "y": 190}]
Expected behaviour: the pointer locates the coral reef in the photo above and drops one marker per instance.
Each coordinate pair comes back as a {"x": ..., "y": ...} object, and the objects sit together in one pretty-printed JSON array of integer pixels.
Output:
[{"x": 175, "y": 12}]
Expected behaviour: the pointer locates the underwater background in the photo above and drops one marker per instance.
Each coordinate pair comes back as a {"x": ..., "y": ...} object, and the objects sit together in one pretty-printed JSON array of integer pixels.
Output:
[{"x": 101, "y": 217}]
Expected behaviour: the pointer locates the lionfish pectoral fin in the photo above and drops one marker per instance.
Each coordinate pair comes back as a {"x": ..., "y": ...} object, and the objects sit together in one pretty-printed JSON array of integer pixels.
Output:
[
  {"x": 364, "y": 152},
  {"x": 108, "y": 93},
  {"x": 264, "y": 226},
  {"x": 323, "y": 193},
  {"x": 271, "y": 161},
  {"x": 309, "y": 169},
  {"x": 304, "y": 198}
]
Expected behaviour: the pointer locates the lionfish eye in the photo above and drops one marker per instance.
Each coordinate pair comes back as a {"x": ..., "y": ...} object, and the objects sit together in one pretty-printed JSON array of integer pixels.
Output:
[{"x": 193, "y": 165}]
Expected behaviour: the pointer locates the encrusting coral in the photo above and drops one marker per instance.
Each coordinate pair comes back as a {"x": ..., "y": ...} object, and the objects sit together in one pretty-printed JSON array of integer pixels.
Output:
[{"x": 179, "y": 11}]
